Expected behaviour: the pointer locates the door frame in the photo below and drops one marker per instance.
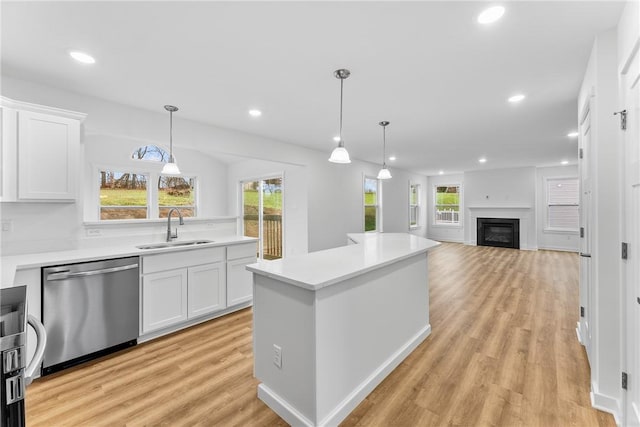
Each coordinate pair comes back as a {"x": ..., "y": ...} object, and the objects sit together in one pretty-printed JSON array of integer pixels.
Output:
[{"x": 262, "y": 177}]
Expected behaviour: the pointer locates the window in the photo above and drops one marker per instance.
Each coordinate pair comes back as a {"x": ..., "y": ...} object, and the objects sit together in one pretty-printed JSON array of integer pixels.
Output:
[
  {"x": 262, "y": 214},
  {"x": 176, "y": 192},
  {"x": 371, "y": 204},
  {"x": 123, "y": 195},
  {"x": 562, "y": 204},
  {"x": 414, "y": 205},
  {"x": 150, "y": 152},
  {"x": 447, "y": 205},
  {"x": 127, "y": 195}
]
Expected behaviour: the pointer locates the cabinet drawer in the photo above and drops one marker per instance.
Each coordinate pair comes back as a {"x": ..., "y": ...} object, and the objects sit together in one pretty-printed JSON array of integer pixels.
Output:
[
  {"x": 181, "y": 259},
  {"x": 241, "y": 251}
]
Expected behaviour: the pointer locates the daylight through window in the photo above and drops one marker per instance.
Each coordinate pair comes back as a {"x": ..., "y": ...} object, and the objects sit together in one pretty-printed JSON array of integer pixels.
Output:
[
  {"x": 447, "y": 205},
  {"x": 123, "y": 195},
  {"x": 371, "y": 204}
]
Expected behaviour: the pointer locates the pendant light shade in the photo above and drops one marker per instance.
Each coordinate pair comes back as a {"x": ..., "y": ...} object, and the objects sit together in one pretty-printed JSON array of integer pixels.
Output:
[
  {"x": 340, "y": 154},
  {"x": 384, "y": 172},
  {"x": 170, "y": 168}
]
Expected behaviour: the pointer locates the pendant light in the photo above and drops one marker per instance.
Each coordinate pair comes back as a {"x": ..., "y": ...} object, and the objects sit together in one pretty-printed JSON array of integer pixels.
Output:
[
  {"x": 170, "y": 168},
  {"x": 384, "y": 172},
  {"x": 340, "y": 154}
]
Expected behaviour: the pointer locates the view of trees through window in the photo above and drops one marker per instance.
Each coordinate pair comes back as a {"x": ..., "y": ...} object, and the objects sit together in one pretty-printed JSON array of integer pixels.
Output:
[
  {"x": 370, "y": 204},
  {"x": 123, "y": 195},
  {"x": 447, "y": 204},
  {"x": 262, "y": 215}
]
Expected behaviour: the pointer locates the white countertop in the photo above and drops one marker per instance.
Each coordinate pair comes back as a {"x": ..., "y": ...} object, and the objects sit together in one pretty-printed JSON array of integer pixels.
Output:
[
  {"x": 9, "y": 264},
  {"x": 317, "y": 270}
]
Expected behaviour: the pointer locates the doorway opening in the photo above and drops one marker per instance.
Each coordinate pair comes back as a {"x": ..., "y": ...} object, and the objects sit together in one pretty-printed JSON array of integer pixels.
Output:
[{"x": 262, "y": 216}]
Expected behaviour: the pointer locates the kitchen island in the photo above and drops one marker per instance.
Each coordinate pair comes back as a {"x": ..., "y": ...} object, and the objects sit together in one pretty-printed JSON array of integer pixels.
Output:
[{"x": 329, "y": 326}]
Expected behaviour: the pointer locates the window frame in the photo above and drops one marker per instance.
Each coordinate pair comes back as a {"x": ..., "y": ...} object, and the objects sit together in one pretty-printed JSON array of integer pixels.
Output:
[
  {"x": 153, "y": 202},
  {"x": 434, "y": 211},
  {"x": 377, "y": 205},
  {"x": 547, "y": 226},
  {"x": 417, "y": 206}
]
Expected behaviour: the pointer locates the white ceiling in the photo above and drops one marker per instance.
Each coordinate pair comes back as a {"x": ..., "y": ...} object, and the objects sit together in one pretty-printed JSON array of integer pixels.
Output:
[{"x": 429, "y": 68}]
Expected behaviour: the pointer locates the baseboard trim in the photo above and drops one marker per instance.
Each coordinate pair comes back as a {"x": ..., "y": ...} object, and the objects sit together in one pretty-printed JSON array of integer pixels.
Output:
[
  {"x": 292, "y": 416},
  {"x": 606, "y": 403},
  {"x": 559, "y": 249},
  {"x": 579, "y": 333},
  {"x": 439, "y": 239}
]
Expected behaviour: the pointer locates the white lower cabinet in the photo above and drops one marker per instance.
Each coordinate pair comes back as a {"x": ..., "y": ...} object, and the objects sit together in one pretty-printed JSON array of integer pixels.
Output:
[
  {"x": 164, "y": 301},
  {"x": 239, "y": 280},
  {"x": 207, "y": 289},
  {"x": 180, "y": 286}
]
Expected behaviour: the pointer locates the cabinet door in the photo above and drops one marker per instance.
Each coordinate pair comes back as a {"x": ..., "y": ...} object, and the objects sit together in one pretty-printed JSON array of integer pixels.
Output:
[
  {"x": 164, "y": 299},
  {"x": 47, "y": 156},
  {"x": 239, "y": 281},
  {"x": 207, "y": 289}
]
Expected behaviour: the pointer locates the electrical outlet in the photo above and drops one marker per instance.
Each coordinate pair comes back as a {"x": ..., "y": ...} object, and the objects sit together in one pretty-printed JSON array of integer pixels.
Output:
[
  {"x": 277, "y": 356},
  {"x": 94, "y": 232}
]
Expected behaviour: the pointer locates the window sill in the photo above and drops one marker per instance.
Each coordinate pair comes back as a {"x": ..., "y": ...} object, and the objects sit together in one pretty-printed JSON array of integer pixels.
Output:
[
  {"x": 446, "y": 225},
  {"x": 151, "y": 222},
  {"x": 561, "y": 231}
]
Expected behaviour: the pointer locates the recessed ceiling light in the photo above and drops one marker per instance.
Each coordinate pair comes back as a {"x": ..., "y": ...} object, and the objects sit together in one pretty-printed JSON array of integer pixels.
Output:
[
  {"x": 516, "y": 98},
  {"x": 441, "y": 173},
  {"x": 82, "y": 57},
  {"x": 255, "y": 113},
  {"x": 573, "y": 134},
  {"x": 491, "y": 15},
  {"x": 336, "y": 138},
  {"x": 392, "y": 158},
  {"x": 482, "y": 160},
  {"x": 564, "y": 162}
]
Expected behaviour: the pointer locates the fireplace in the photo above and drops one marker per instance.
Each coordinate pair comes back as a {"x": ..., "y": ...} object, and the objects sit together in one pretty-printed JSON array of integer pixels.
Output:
[{"x": 499, "y": 232}]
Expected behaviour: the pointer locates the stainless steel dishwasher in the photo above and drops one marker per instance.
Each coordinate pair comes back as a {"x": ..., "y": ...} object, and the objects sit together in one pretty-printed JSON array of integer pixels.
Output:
[{"x": 89, "y": 310}]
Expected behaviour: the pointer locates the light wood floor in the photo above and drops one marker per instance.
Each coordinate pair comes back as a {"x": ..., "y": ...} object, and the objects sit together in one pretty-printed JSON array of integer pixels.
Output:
[{"x": 503, "y": 351}]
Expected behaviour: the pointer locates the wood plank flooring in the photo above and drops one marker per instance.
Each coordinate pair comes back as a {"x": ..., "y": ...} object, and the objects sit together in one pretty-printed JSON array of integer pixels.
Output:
[{"x": 503, "y": 351}]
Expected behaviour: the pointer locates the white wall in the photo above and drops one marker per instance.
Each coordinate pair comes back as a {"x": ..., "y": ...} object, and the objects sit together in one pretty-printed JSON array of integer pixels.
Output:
[
  {"x": 334, "y": 192},
  {"x": 548, "y": 239},
  {"x": 446, "y": 233},
  {"x": 501, "y": 188}
]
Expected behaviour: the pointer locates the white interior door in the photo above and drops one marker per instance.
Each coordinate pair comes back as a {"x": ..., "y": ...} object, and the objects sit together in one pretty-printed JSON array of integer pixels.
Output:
[
  {"x": 586, "y": 219},
  {"x": 631, "y": 95}
]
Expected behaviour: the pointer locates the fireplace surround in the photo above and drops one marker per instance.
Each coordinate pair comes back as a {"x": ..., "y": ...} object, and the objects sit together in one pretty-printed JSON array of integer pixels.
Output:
[{"x": 498, "y": 232}]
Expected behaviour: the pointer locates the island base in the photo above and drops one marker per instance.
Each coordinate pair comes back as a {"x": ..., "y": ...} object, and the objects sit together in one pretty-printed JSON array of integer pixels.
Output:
[{"x": 319, "y": 353}]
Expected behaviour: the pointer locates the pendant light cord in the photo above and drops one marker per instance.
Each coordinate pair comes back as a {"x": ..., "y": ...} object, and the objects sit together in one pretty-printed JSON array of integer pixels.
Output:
[
  {"x": 170, "y": 136},
  {"x": 384, "y": 146},
  {"x": 341, "y": 84}
]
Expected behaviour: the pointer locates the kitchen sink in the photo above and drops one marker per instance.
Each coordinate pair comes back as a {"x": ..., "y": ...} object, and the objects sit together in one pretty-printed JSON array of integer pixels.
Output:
[{"x": 174, "y": 244}]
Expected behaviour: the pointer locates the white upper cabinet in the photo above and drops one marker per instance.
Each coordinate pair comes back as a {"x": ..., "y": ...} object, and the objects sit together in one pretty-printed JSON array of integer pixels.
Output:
[{"x": 40, "y": 152}]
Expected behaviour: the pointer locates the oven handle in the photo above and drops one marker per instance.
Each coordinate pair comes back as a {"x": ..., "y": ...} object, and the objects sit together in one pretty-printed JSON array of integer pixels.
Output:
[
  {"x": 62, "y": 275},
  {"x": 41, "y": 334}
]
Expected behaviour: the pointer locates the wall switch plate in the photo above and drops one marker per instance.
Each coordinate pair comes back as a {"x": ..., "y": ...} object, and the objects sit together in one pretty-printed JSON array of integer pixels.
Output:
[
  {"x": 7, "y": 225},
  {"x": 277, "y": 356}
]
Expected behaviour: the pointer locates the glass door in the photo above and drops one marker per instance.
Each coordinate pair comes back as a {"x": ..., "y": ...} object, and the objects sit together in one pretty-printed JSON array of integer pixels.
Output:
[{"x": 262, "y": 202}]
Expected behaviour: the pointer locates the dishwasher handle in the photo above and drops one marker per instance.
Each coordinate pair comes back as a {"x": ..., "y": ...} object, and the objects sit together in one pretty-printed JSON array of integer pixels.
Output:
[{"x": 62, "y": 275}]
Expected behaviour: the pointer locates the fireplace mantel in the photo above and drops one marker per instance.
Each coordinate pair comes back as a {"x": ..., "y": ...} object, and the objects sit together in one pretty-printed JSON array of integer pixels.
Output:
[{"x": 525, "y": 213}]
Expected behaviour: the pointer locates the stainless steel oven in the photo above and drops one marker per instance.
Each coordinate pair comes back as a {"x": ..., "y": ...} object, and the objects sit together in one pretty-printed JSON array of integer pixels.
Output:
[
  {"x": 14, "y": 372},
  {"x": 89, "y": 309}
]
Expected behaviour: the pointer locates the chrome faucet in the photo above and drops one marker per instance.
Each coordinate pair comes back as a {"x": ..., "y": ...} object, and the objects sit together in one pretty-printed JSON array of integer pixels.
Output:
[{"x": 170, "y": 235}]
